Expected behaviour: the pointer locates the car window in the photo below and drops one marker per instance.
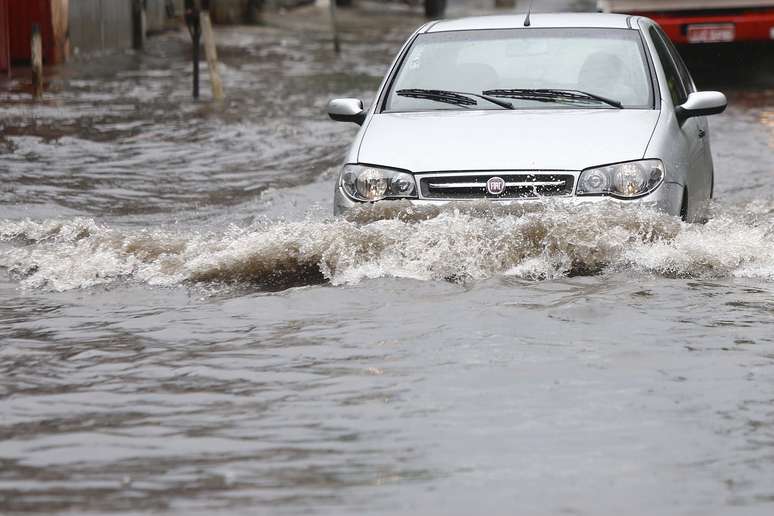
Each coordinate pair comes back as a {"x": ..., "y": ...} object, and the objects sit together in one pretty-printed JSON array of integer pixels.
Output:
[
  {"x": 606, "y": 62},
  {"x": 674, "y": 82},
  {"x": 682, "y": 69}
]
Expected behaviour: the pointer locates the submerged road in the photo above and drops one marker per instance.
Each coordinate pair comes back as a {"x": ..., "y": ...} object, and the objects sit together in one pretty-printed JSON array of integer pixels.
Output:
[{"x": 185, "y": 329}]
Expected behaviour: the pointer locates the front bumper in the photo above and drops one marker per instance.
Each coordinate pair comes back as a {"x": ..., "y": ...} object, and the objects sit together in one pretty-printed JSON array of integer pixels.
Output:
[{"x": 667, "y": 198}]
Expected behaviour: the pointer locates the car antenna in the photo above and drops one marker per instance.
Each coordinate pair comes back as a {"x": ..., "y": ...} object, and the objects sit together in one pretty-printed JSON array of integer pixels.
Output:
[{"x": 527, "y": 21}]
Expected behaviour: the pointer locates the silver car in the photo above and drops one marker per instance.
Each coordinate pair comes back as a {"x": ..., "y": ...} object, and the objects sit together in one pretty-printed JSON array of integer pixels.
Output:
[{"x": 516, "y": 108}]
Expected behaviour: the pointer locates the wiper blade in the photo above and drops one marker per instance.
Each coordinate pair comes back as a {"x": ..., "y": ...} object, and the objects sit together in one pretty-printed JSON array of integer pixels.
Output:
[
  {"x": 459, "y": 98},
  {"x": 552, "y": 95}
]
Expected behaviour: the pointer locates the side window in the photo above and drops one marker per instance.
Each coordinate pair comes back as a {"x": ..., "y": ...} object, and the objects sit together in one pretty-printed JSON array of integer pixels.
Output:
[
  {"x": 674, "y": 81},
  {"x": 681, "y": 68}
]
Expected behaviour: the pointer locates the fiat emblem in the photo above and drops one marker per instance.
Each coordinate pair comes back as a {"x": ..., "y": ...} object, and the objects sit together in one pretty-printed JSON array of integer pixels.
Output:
[{"x": 495, "y": 185}]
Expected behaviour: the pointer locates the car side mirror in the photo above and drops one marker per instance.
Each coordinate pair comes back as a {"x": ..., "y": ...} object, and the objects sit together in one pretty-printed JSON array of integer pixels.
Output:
[
  {"x": 702, "y": 103},
  {"x": 347, "y": 110}
]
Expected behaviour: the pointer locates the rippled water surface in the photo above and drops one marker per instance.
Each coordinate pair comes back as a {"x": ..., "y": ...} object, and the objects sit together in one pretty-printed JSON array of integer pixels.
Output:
[{"x": 186, "y": 329}]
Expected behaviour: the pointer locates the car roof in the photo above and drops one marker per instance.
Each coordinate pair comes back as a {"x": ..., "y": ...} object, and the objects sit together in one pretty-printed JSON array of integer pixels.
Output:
[{"x": 537, "y": 20}]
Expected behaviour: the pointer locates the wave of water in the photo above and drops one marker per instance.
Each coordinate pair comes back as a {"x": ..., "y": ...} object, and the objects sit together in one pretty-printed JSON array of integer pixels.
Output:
[{"x": 456, "y": 243}]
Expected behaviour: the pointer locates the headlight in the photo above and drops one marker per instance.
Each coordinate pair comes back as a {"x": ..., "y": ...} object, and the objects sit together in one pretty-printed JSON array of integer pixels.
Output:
[
  {"x": 624, "y": 180},
  {"x": 366, "y": 183}
]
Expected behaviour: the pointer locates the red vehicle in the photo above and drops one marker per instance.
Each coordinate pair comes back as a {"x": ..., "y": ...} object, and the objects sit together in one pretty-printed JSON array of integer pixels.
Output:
[
  {"x": 16, "y": 20},
  {"x": 704, "y": 21},
  {"x": 5, "y": 42}
]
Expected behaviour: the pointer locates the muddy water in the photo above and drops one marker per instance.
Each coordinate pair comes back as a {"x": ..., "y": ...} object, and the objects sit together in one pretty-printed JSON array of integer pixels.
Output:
[{"x": 185, "y": 329}]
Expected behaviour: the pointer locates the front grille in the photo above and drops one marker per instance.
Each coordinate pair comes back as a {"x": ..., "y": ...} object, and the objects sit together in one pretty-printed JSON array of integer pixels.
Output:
[{"x": 472, "y": 185}]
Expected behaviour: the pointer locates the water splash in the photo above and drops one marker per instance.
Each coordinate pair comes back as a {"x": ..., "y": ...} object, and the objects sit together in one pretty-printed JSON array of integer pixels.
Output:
[{"x": 459, "y": 243}]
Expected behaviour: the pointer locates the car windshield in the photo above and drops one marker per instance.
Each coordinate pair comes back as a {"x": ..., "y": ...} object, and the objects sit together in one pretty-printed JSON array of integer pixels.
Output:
[{"x": 520, "y": 65}]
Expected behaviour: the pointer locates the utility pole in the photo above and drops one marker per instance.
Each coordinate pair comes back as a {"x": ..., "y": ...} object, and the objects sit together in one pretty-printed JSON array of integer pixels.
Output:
[
  {"x": 335, "y": 27},
  {"x": 193, "y": 21},
  {"x": 138, "y": 24}
]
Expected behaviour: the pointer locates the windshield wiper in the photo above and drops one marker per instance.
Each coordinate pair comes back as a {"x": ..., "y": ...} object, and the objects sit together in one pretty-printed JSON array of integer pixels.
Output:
[
  {"x": 459, "y": 98},
  {"x": 552, "y": 95}
]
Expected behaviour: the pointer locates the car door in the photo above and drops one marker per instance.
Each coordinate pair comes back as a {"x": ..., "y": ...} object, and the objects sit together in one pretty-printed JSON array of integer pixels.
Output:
[
  {"x": 690, "y": 136},
  {"x": 702, "y": 126}
]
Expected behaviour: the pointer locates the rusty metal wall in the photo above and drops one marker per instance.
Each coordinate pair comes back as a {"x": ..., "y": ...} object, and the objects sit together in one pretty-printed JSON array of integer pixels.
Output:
[{"x": 100, "y": 25}]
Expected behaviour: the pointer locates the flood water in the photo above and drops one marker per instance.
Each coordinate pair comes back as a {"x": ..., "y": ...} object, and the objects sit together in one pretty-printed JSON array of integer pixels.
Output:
[{"x": 187, "y": 330}]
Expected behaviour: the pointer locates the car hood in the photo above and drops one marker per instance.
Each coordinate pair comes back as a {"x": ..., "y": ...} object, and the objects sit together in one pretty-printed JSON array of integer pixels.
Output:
[{"x": 506, "y": 140}]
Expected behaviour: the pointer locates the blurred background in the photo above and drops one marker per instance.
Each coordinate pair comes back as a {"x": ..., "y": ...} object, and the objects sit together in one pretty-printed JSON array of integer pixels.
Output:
[{"x": 185, "y": 328}]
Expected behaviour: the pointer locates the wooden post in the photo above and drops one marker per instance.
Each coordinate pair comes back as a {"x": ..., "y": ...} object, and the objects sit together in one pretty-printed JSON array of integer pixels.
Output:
[
  {"x": 37, "y": 62},
  {"x": 212, "y": 56},
  {"x": 335, "y": 27}
]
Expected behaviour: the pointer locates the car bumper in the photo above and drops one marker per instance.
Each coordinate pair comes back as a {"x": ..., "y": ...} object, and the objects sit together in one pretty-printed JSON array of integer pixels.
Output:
[{"x": 667, "y": 198}]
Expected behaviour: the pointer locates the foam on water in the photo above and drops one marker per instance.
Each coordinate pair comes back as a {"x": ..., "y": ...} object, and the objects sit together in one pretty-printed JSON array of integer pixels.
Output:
[{"x": 456, "y": 243}]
